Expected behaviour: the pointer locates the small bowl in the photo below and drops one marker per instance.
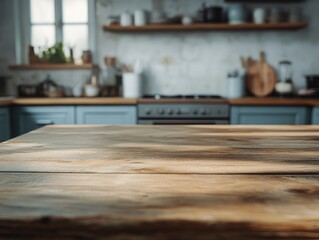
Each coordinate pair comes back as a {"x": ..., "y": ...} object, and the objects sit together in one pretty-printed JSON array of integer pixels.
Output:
[{"x": 91, "y": 90}]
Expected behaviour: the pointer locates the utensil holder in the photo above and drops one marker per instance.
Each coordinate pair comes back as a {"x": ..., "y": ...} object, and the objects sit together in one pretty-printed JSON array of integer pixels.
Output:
[{"x": 132, "y": 85}]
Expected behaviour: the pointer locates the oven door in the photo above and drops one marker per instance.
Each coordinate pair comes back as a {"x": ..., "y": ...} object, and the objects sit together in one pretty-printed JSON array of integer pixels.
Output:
[{"x": 182, "y": 121}]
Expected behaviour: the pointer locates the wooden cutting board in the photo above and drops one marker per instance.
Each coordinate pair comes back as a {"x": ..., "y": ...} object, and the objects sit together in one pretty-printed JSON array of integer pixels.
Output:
[{"x": 261, "y": 77}]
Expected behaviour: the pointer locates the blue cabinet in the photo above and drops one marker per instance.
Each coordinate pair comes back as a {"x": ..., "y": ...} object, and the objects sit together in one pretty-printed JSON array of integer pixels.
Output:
[
  {"x": 315, "y": 116},
  {"x": 270, "y": 115},
  {"x": 4, "y": 124},
  {"x": 30, "y": 118},
  {"x": 106, "y": 115}
]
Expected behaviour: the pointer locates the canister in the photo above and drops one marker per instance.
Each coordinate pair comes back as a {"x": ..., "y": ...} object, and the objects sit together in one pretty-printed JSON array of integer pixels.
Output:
[
  {"x": 236, "y": 84},
  {"x": 140, "y": 18},
  {"x": 132, "y": 85}
]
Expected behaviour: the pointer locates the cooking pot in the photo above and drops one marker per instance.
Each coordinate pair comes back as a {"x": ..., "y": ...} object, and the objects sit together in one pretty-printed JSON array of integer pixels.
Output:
[
  {"x": 312, "y": 81},
  {"x": 27, "y": 91},
  {"x": 45, "y": 87},
  {"x": 214, "y": 14}
]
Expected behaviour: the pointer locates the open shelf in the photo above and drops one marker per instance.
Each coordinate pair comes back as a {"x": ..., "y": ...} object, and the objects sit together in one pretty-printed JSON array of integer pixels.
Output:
[
  {"x": 264, "y": 1},
  {"x": 51, "y": 66},
  {"x": 207, "y": 27}
]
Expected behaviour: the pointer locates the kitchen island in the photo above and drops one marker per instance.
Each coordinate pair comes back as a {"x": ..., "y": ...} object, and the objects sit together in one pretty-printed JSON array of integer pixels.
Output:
[{"x": 164, "y": 182}]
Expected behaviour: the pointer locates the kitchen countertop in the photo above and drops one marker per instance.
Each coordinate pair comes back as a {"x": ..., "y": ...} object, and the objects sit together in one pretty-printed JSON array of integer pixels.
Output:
[
  {"x": 274, "y": 101},
  {"x": 71, "y": 101},
  {"x": 247, "y": 101},
  {"x": 146, "y": 182},
  {"x": 6, "y": 101}
]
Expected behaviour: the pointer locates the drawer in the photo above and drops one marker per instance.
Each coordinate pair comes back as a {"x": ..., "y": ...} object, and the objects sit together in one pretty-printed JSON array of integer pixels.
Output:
[
  {"x": 114, "y": 115},
  {"x": 270, "y": 115},
  {"x": 31, "y": 118}
]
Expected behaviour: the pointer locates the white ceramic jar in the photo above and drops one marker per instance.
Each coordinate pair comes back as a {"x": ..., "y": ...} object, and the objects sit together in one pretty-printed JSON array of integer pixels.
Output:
[
  {"x": 132, "y": 85},
  {"x": 260, "y": 16},
  {"x": 140, "y": 18},
  {"x": 126, "y": 19},
  {"x": 236, "y": 85},
  {"x": 77, "y": 91}
]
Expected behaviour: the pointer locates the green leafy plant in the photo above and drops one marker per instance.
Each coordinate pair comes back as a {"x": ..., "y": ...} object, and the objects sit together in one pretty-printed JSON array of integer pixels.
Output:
[{"x": 54, "y": 54}]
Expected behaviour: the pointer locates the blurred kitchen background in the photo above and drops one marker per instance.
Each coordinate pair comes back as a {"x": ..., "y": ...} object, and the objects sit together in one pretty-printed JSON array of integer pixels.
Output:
[{"x": 174, "y": 62}]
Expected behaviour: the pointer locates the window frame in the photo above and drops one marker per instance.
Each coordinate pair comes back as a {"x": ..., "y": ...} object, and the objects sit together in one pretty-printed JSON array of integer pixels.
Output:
[{"x": 22, "y": 22}]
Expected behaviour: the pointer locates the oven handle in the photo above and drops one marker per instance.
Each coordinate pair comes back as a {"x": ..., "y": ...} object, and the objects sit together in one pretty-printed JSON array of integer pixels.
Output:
[{"x": 186, "y": 121}]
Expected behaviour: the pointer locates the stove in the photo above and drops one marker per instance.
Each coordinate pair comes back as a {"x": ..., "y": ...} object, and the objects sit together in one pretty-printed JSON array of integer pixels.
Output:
[
  {"x": 183, "y": 109},
  {"x": 160, "y": 96}
]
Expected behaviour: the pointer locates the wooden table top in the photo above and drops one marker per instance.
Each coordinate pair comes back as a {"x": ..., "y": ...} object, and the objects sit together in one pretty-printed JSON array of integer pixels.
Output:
[{"x": 163, "y": 182}]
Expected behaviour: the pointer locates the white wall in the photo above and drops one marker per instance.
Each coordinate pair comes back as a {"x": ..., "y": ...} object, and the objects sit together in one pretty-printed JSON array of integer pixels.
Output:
[
  {"x": 193, "y": 62},
  {"x": 199, "y": 61}
]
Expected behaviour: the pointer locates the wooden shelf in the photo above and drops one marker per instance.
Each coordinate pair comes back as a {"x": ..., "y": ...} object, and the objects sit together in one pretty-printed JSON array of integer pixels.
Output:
[
  {"x": 264, "y": 1},
  {"x": 206, "y": 27},
  {"x": 51, "y": 66}
]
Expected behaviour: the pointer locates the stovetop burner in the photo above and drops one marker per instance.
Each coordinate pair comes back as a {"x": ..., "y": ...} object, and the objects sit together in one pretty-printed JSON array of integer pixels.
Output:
[{"x": 200, "y": 96}]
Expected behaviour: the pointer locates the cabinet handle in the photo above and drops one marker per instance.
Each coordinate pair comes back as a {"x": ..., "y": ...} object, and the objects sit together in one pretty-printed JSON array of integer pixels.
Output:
[{"x": 44, "y": 122}]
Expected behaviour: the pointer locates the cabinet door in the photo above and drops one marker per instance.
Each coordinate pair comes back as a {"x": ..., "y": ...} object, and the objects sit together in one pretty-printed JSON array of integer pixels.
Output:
[
  {"x": 270, "y": 115},
  {"x": 30, "y": 118},
  {"x": 106, "y": 115},
  {"x": 315, "y": 116},
  {"x": 4, "y": 124}
]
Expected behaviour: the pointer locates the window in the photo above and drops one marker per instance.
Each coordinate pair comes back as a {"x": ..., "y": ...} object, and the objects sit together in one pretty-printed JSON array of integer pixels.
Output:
[
  {"x": 42, "y": 23},
  {"x": 53, "y": 21}
]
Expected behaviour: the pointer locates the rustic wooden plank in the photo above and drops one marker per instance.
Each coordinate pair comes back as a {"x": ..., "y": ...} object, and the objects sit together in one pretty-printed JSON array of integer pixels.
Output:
[
  {"x": 132, "y": 199},
  {"x": 52, "y": 66},
  {"x": 165, "y": 149},
  {"x": 93, "y": 228},
  {"x": 284, "y": 206},
  {"x": 206, "y": 27}
]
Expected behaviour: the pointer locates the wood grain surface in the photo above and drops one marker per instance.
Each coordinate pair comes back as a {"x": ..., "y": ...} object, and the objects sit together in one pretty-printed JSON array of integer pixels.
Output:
[
  {"x": 163, "y": 182},
  {"x": 52, "y": 66},
  {"x": 75, "y": 101},
  {"x": 279, "y": 205},
  {"x": 162, "y": 149},
  {"x": 206, "y": 27}
]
